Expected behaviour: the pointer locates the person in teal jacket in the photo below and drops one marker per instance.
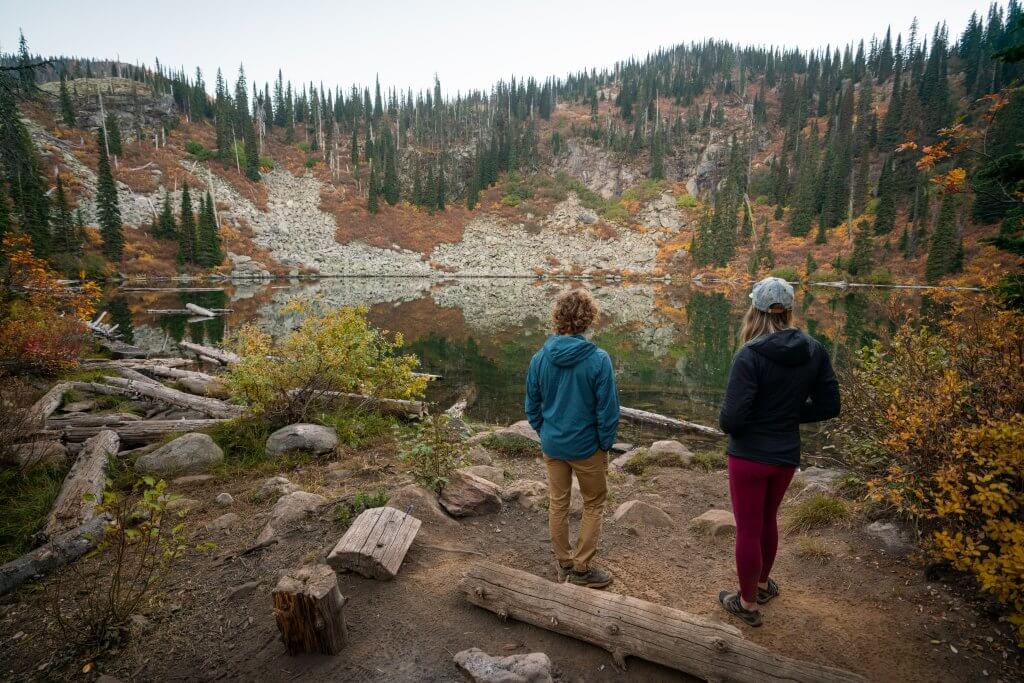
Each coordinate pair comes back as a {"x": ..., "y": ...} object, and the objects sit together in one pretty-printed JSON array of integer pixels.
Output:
[{"x": 572, "y": 402}]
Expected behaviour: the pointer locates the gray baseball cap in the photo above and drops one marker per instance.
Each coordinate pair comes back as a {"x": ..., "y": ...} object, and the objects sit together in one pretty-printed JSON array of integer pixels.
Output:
[{"x": 771, "y": 291}]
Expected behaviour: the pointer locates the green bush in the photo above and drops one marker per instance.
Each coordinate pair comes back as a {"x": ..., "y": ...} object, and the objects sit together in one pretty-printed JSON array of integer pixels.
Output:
[
  {"x": 686, "y": 201},
  {"x": 266, "y": 163},
  {"x": 197, "y": 150},
  {"x": 817, "y": 511},
  {"x": 787, "y": 273},
  {"x": 358, "y": 429},
  {"x": 645, "y": 191},
  {"x": 362, "y": 501},
  {"x": 512, "y": 446},
  {"x": 28, "y": 497},
  {"x": 304, "y": 147},
  {"x": 311, "y": 161},
  {"x": 434, "y": 452},
  {"x": 879, "y": 276},
  {"x": 761, "y": 200}
]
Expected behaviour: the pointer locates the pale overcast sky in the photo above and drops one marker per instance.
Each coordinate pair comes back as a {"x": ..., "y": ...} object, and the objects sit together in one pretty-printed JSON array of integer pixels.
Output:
[{"x": 469, "y": 44}]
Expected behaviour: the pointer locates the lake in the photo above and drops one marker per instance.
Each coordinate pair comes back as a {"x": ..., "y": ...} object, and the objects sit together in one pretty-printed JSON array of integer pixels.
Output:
[{"x": 671, "y": 344}]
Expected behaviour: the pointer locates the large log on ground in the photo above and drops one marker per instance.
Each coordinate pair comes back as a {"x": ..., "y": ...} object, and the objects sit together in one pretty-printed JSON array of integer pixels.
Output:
[
  {"x": 198, "y": 383},
  {"x": 134, "y": 363},
  {"x": 220, "y": 355},
  {"x": 644, "y": 417},
  {"x": 89, "y": 420},
  {"x": 83, "y": 485},
  {"x": 185, "y": 311},
  {"x": 135, "y": 375},
  {"x": 119, "y": 349},
  {"x": 310, "y": 610},
  {"x": 204, "y": 404},
  {"x": 199, "y": 310},
  {"x": 49, "y": 402},
  {"x": 141, "y": 432},
  {"x": 627, "y": 626},
  {"x": 395, "y": 406},
  {"x": 57, "y": 552},
  {"x": 376, "y": 543}
]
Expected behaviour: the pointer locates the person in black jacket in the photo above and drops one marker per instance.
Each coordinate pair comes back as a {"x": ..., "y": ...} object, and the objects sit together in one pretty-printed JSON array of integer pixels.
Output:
[{"x": 779, "y": 379}]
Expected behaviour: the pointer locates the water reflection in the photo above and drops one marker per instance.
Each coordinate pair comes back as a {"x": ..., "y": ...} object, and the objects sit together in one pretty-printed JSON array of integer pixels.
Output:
[{"x": 671, "y": 344}]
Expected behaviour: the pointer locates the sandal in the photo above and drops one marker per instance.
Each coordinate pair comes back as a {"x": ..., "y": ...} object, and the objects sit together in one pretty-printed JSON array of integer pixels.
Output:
[
  {"x": 766, "y": 594},
  {"x": 732, "y": 605}
]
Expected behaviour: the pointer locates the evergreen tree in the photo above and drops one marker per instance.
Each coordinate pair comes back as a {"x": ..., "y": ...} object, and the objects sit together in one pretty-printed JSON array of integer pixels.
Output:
[
  {"x": 354, "y": 148},
  {"x": 762, "y": 258},
  {"x": 372, "y": 203},
  {"x": 186, "y": 229},
  {"x": 657, "y": 158},
  {"x": 747, "y": 230},
  {"x": 67, "y": 109},
  {"x": 113, "y": 133},
  {"x": 65, "y": 234},
  {"x": 820, "y": 237},
  {"x": 417, "y": 185},
  {"x": 391, "y": 189},
  {"x": 946, "y": 248},
  {"x": 108, "y": 210},
  {"x": 208, "y": 247},
  {"x": 811, "y": 264},
  {"x": 805, "y": 194},
  {"x": 885, "y": 214},
  {"x": 165, "y": 228},
  {"x": 26, "y": 181},
  {"x": 442, "y": 188},
  {"x": 861, "y": 261},
  {"x": 5, "y": 214}
]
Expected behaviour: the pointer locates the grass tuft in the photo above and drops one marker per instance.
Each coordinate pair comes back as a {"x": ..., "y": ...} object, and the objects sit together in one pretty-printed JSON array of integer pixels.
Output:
[
  {"x": 27, "y": 498},
  {"x": 512, "y": 446},
  {"x": 813, "y": 549},
  {"x": 820, "y": 510},
  {"x": 709, "y": 461}
]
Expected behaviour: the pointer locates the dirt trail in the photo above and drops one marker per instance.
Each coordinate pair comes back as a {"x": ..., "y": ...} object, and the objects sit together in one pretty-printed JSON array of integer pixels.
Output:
[{"x": 860, "y": 609}]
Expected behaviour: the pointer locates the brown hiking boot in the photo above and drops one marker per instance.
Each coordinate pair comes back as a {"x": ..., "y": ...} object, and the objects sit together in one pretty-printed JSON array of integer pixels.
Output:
[{"x": 595, "y": 577}]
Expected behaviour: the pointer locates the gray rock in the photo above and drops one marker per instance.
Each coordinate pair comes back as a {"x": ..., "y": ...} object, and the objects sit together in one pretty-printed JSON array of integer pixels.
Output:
[
  {"x": 190, "y": 479},
  {"x": 529, "y": 493},
  {"x": 288, "y": 510},
  {"x": 188, "y": 454},
  {"x": 670, "y": 449},
  {"x": 182, "y": 505},
  {"x": 275, "y": 487},
  {"x": 480, "y": 456},
  {"x": 641, "y": 514},
  {"x": 714, "y": 523},
  {"x": 302, "y": 437},
  {"x": 480, "y": 667},
  {"x": 224, "y": 499},
  {"x": 466, "y": 495},
  {"x": 223, "y": 522},
  {"x": 621, "y": 447},
  {"x": 621, "y": 461},
  {"x": 421, "y": 504},
  {"x": 495, "y": 475},
  {"x": 890, "y": 535},
  {"x": 820, "y": 475},
  {"x": 521, "y": 429}
]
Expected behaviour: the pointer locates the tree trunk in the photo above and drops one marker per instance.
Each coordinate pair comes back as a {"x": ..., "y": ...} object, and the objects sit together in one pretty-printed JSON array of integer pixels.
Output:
[
  {"x": 642, "y": 416},
  {"x": 209, "y": 406},
  {"x": 376, "y": 543},
  {"x": 310, "y": 611},
  {"x": 83, "y": 485},
  {"x": 220, "y": 355},
  {"x": 58, "y": 552},
  {"x": 141, "y": 432},
  {"x": 627, "y": 626}
]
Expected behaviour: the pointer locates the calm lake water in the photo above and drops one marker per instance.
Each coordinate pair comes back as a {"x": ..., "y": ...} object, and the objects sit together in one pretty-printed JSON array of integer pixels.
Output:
[{"x": 671, "y": 344}]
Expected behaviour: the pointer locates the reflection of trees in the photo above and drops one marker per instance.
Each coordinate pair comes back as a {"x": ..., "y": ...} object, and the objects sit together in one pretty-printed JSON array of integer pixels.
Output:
[
  {"x": 711, "y": 344},
  {"x": 121, "y": 316}
]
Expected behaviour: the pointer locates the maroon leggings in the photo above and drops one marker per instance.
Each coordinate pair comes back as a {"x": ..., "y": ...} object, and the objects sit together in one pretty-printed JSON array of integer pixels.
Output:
[{"x": 756, "y": 490}]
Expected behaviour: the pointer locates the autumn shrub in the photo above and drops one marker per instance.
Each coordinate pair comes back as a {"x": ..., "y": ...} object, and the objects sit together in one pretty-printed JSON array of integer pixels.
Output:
[
  {"x": 686, "y": 201},
  {"x": 289, "y": 380},
  {"x": 433, "y": 451},
  {"x": 932, "y": 422}
]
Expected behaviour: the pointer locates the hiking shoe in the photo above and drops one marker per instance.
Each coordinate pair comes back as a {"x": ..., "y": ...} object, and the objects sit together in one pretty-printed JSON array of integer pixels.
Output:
[
  {"x": 563, "y": 571},
  {"x": 766, "y": 594},
  {"x": 595, "y": 577},
  {"x": 732, "y": 605}
]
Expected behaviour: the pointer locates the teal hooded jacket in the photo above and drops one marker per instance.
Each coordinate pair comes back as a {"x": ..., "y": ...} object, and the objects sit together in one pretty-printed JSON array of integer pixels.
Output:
[{"x": 571, "y": 399}]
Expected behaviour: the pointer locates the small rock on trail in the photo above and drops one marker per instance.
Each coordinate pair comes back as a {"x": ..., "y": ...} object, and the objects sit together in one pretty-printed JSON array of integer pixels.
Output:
[
  {"x": 466, "y": 495},
  {"x": 275, "y": 487},
  {"x": 714, "y": 523},
  {"x": 480, "y": 667},
  {"x": 639, "y": 513},
  {"x": 421, "y": 504},
  {"x": 495, "y": 475},
  {"x": 670, "y": 449},
  {"x": 289, "y": 509}
]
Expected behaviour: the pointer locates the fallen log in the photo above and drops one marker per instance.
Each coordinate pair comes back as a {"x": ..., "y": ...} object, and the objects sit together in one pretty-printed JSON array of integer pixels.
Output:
[
  {"x": 185, "y": 311},
  {"x": 133, "y": 363},
  {"x": 141, "y": 432},
  {"x": 630, "y": 627},
  {"x": 50, "y": 401},
  {"x": 83, "y": 485},
  {"x": 376, "y": 543},
  {"x": 310, "y": 611},
  {"x": 119, "y": 349},
  {"x": 176, "y": 373},
  {"x": 644, "y": 417},
  {"x": 57, "y": 552},
  {"x": 135, "y": 375},
  {"x": 64, "y": 422},
  {"x": 172, "y": 289},
  {"x": 204, "y": 404},
  {"x": 199, "y": 310},
  {"x": 394, "y": 406},
  {"x": 198, "y": 383},
  {"x": 220, "y": 355}
]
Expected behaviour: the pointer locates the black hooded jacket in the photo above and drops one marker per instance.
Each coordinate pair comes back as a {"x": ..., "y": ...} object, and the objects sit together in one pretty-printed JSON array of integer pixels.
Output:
[{"x": 776, "y": 383}]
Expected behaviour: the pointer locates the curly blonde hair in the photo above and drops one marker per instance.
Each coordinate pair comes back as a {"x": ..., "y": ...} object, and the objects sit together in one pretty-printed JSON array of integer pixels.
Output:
[{"x": 574, "y": 312}]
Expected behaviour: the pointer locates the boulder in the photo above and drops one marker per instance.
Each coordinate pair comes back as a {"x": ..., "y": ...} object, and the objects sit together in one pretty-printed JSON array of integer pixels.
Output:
[
  {"x": 621, "y": 461},
  {"x": 664, "y": 452},
  {"x": 275, "y": 487},
  {"x": 189, "y": 454},
  {"x": 312, "y": 438},
  {"x": 466, "y": 495},
  {"x": 820, "y": 475},
  {"x": 224, "y": 499},
  {"x": 495, "y": 475},
  {"x": 889, "y": 535},
  {"x": 641, "y": 514},
  {"x": 421, "y": 504},
  {"x": 621, "y": 447},
  {"x": 714, "y": 523},
  {"x": 480, "y": 667},
  {"x": 478, "y": 455},
  {"x": 529, "y": 493},
  {"x": 223, "y": 523},
  {"x": 288, "y": 509},
  {"x": 521, "y": 429}
]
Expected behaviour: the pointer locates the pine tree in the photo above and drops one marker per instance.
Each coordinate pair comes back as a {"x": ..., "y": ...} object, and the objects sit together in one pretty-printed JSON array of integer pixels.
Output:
[
  {"x": 442, "y": 188},
  {"x": 165, "y": 228},
  {"x": 391, "y": 189},
  {"x": 811, "y": 264},
  {"x": 885, "y": 214},
  {"x": 805, "y": 194},
  {"x": 65, "y": 238},
  {"x": 108, "y": 210},
  {"x": 67, "y": 109},
  {"x": 747, "y": 229},
  {"x": 946, "y": 247},
  {"x": 186, "y": 229},
  {"x": 354, "y": 148},
  {"x": 861, "y": 261},
  {"x": 113, "y": 133},
  {"x": 208, "y": 248},
  {"x": 26, "y": 182},
  {"x": 372, "y": 203},
  {"x": 657, "y": 158},
  {"x": 762, "y": 257},
  {"x": 5, "y": 215}
]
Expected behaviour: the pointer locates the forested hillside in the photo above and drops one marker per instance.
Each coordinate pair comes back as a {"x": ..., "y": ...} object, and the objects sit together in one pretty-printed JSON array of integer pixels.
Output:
[{"x": 895, "y": 158}]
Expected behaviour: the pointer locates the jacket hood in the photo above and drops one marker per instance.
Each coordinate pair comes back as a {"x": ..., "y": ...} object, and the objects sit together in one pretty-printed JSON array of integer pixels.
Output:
[
  {"x": 566, "y": 351},
  {"x": 791, "y": 348}
]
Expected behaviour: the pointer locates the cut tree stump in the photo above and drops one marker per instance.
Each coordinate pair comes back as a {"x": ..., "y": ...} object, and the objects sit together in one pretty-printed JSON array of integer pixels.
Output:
[
  {"x": 376, "y": 543},
  {"x": 629, "y": 627},
  {"x": 310, "y": 610},
  {"x": 83, "y": 485}
]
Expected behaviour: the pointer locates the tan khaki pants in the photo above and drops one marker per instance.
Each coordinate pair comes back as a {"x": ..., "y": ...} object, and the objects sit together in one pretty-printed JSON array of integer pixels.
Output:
[{"x": 592, "y": 475}]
